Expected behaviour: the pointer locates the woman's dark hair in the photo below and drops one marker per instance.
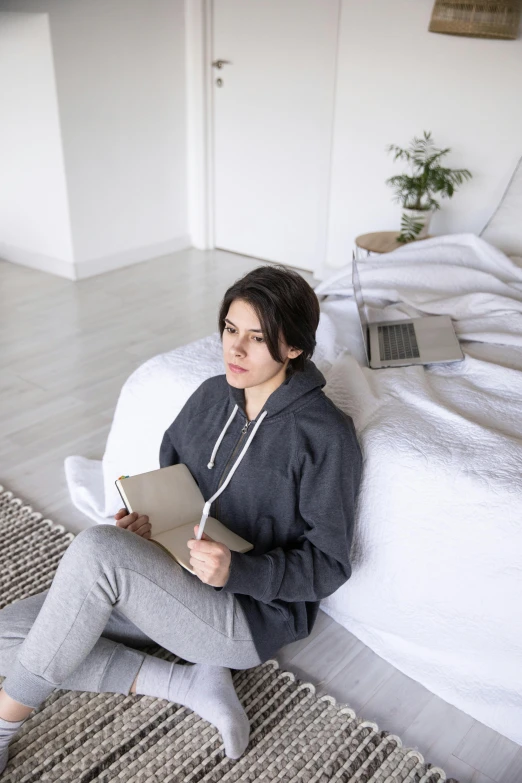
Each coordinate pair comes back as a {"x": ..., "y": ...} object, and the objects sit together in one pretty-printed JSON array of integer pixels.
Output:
[{"x": 285, "y": 305}]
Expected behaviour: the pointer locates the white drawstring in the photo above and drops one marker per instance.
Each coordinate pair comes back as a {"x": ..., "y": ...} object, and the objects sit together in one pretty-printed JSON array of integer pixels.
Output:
[
  {"x": 218, "y": 442},
  {"x": 206, "y": 507}
]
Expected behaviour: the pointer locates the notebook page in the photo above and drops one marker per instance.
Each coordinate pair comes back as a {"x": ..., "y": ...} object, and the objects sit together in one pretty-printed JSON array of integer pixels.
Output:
[{"x": 175, "y": 541}]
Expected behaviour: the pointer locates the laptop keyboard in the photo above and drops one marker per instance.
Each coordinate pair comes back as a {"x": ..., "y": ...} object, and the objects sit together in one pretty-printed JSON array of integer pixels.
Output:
[{"x": 397, "y": 341}]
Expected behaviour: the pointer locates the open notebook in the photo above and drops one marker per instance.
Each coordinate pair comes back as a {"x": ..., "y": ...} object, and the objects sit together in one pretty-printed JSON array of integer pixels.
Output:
[{"x": 173, "y": 502}]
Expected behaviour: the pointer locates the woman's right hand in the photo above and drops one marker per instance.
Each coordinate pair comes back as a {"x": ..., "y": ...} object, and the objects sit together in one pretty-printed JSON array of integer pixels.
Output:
[{"x": 136, "y": 523}]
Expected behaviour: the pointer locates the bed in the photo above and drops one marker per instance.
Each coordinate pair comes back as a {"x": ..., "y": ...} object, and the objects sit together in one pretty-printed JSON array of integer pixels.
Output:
[{"x": 436, "y": 588}]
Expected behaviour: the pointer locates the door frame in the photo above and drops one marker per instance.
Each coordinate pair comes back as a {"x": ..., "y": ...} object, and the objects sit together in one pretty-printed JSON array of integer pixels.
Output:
[{"x": 199, "y": 122}]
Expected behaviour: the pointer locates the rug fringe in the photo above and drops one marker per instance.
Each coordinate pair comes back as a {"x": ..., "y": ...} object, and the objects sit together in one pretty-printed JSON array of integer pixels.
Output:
[
  {"x": 346, "y": 709},
  {"x": 36, "y": 515}
]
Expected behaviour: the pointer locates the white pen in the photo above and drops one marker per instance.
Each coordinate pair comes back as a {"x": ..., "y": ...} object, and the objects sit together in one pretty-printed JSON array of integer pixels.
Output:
[{"x": 206, "y": 511}]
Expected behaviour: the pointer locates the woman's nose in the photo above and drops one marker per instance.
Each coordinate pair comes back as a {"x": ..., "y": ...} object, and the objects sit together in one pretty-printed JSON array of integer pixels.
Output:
[{"x": 237, "y": 347}]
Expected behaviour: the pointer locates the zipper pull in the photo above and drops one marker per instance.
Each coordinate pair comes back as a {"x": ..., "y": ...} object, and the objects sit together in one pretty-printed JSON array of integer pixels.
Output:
[{"x": 243, "y": 431}]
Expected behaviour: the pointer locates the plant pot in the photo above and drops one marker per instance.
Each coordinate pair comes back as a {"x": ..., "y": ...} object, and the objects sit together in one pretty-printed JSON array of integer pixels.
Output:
[{"x": 418, "y": 216}]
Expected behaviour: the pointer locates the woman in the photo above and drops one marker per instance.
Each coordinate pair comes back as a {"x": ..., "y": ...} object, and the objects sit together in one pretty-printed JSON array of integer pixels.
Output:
[{"x": 296, "y": 465}]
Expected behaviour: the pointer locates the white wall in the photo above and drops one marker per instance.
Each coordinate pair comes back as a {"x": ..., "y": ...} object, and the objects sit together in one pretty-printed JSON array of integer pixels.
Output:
[
  {"x": 120, "y": 78},
  {"x": 396, "y": 79},
  {"x": 120, "y": 75},
  {"x": 34, "y": 216}
]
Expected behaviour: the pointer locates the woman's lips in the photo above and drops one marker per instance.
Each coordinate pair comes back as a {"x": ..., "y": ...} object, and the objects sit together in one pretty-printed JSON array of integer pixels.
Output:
[{"x": 237, "y": 369}]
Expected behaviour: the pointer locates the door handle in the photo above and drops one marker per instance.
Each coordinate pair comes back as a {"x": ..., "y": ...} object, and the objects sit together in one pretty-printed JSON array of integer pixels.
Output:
[{"x": 221, "y": 63}]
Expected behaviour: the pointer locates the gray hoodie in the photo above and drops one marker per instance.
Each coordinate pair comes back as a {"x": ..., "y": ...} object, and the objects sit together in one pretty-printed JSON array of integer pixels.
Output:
[{"x": 292, "y": 495}]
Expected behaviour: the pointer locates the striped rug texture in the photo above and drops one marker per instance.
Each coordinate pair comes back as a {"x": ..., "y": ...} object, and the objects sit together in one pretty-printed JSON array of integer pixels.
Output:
[{"x": 77, "y": 737}]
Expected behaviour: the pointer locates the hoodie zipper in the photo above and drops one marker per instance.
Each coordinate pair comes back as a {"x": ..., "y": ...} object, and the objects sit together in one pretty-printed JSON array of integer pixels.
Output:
[{"x": 224, "y": 474}]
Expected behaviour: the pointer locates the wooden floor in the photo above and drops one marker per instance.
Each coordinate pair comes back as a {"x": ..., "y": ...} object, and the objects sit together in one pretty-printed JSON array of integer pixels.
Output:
[{"x": 66, "y": 349}]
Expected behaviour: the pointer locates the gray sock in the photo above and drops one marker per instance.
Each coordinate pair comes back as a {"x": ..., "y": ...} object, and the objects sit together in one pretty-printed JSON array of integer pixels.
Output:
[
  {"x": 207, "y": 690},
  {"x": 8, "y": 729}
]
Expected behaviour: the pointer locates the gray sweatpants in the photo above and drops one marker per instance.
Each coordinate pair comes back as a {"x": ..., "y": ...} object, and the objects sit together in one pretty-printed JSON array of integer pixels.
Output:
[{"x": 113, "y": 592}]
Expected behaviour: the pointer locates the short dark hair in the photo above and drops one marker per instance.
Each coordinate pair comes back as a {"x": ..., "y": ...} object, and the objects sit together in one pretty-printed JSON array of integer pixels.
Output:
[{"x": 285, "y": 305}]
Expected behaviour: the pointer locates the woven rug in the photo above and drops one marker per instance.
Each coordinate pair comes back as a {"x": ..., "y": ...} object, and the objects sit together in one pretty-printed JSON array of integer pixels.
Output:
[{"x": 77, "y": 737}]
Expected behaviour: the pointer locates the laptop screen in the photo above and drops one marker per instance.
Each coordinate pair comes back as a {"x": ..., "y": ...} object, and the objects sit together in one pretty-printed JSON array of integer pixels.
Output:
[{"x": 357, "y": 290}]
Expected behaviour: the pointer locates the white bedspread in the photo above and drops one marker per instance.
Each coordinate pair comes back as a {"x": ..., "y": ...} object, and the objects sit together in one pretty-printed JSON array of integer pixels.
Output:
[
  {"x": 437, "y": 583},
  {"x": 436, "y": 587}
]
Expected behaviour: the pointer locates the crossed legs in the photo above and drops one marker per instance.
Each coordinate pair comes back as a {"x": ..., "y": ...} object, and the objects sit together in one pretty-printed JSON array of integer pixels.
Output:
[{"x": 113, "y": 586}]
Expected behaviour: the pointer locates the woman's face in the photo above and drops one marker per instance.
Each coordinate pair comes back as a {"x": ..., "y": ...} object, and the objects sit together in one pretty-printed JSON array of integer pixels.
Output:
[{"x": 247, "y": 358}]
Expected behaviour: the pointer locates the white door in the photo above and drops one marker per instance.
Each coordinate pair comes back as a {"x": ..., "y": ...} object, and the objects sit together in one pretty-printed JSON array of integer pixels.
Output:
[{"x": 272, "y": 124}]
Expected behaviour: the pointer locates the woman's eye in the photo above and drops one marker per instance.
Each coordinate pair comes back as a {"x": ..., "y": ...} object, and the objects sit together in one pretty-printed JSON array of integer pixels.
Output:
[{"x": 231, "y": 330}]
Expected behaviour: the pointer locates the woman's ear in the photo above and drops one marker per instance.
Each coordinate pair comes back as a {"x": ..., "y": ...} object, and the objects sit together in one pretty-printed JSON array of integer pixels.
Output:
[{"x": 293, "y": 353}]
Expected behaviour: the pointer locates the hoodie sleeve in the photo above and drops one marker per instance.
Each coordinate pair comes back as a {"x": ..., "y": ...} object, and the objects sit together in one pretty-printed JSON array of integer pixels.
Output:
[
  {"x": 168, "y": 454},
  {"x": 171, "y": 449},
  {"x": 319, "y": 562}
]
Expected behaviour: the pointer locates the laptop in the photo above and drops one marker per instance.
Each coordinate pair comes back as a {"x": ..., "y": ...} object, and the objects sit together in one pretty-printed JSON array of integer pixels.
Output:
[{"x": 429, "y": 339}]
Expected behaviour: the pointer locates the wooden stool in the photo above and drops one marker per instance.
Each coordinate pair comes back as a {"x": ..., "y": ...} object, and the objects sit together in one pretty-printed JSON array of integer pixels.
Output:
[{"x": 379, "y": 242}]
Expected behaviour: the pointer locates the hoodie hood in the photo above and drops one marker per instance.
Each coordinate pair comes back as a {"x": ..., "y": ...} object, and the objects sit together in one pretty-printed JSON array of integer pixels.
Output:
[{"x": 287, "y": 396}]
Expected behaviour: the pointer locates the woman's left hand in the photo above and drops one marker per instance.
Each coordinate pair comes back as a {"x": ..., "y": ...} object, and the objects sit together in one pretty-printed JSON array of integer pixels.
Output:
[
  {"x": 135, "y": 523},
  {"x": 209, "y": 559}
]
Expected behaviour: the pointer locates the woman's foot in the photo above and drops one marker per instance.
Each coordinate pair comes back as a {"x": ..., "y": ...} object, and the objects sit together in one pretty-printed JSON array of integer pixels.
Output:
[
  {"x": 8, "y": 729},
  {"x": 12, "y": 715},
  {"x": 208, "y": 690}
]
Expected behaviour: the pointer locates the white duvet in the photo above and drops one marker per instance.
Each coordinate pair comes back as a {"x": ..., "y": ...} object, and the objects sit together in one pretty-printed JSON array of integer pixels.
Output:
[{"x": 436, "y": 587}]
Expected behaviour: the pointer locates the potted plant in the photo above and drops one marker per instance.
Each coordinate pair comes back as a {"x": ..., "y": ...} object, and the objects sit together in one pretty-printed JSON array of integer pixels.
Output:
[{"x": 416, "y": 192}]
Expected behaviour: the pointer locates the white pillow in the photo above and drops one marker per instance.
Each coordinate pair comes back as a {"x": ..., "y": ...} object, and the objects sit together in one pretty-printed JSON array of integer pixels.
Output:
[{"x": 504, "y": 229}]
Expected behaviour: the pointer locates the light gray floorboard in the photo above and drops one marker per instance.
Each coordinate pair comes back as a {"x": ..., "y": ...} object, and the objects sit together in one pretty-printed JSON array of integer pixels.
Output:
[
  {"x": 492, "y": 754},
  {"x": 65, "y": 351}
]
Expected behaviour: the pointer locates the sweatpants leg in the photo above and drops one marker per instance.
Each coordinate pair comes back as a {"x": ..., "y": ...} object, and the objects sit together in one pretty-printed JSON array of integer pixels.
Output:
[
  {"x": 109, "y": 667},
  {"x": 106, "y": 567}
]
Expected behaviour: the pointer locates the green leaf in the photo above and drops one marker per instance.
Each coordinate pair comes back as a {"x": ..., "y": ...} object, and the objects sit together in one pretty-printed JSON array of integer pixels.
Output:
[
  {"x": 428, "y": 176},
  {"x": 410, "y": 228}
]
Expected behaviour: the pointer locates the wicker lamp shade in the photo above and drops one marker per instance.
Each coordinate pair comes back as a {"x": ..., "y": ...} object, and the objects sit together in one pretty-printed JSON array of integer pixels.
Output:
[{"x": 495, "y": 19}]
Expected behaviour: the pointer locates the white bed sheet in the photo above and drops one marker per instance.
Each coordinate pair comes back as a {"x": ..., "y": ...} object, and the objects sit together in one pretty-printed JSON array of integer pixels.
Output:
[{"x": 437, "y": 581}]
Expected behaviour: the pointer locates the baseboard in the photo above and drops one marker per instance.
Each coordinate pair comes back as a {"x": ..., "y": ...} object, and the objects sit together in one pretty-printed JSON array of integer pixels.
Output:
[
  {"x": 95, "y": 266},
  {"x": 55, "y": 266}
]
